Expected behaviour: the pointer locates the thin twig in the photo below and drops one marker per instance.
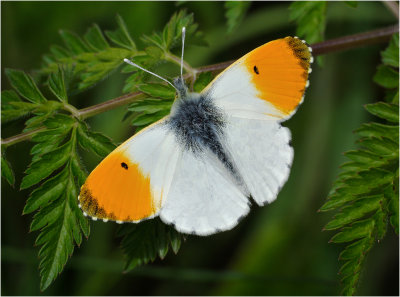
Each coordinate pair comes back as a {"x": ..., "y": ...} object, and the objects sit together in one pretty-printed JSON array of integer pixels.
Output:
[
  {"x": 356, "y": 40},
  {"x": 342, "y": 43},
  {"x": 90, "y": 111},
  {"x": 20, "y": 137}
]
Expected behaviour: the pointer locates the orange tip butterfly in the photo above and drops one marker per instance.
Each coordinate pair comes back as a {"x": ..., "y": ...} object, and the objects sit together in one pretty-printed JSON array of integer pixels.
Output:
[{"x": 199, "y": 167}]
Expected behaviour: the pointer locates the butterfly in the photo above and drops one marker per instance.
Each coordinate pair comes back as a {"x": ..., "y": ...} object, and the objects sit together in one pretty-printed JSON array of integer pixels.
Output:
[{"x": 200, "y": 167}]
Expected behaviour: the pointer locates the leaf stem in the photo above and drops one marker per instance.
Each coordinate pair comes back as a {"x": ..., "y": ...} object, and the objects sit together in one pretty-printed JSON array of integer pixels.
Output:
[
  {"x": 342, "y": 43},
  {"x": 108, "y": 105}
]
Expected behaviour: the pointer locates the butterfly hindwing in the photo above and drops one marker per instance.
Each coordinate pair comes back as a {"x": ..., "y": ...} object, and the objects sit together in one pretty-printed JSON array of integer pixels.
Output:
[
  {"x": 204, "y": 198},
  {"x": 262, "y": 155}
]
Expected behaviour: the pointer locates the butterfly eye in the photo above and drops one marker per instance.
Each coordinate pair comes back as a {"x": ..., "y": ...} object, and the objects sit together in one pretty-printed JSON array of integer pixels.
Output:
[
  {"x": 124, "y": 165},
  {"x": 256, "y": 69}
]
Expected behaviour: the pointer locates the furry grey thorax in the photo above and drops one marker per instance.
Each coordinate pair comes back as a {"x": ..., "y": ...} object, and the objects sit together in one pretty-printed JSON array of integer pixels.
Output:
[{"x": 198, "y": 124}]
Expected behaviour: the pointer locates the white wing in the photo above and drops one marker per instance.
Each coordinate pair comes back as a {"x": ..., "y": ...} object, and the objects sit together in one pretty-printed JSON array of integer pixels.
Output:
[
  {"x": 262, "y": 155},
  {"x": 203, "y": 198}
]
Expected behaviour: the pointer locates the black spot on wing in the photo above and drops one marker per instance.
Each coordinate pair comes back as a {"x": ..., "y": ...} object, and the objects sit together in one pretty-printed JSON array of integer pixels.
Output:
[{"x": 256, "y": 69}]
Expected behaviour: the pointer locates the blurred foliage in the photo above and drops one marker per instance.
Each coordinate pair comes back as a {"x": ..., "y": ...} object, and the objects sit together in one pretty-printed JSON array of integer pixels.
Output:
[
  {"x": 367, "y": 190},
  {"x": 269, "y": 252},
  {"x": 235, "y": 12}
]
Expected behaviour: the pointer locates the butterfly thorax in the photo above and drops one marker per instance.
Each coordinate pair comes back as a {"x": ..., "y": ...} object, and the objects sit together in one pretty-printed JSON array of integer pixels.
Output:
[{"x": 198, "y": 125}]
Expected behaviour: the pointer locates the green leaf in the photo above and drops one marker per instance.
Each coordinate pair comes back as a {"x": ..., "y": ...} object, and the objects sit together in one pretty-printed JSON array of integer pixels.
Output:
[
  {"x": 202, "y": 81},
  {"x": 158, "y": 90},
  {"x": 121, "y": 36},
  {"x": 378, "y": 130},
  {"x": 235, "y": 12},
  {"x": 387, "y": 77},
  {"x": 367, "y": 190},
  {"x": 357, "y": 230},
  {"x": 6, "y": 171},
  {"x": 355, "y": 211},
  {"x": 142, "y": 243},
  {"x": 95, "y": 38},
  {"x": 49, "y": 191},
  {"x": 59, "y": 52},
  {"x": 95, "y": 142},
  {"x": 381, "y": 146},
  {"x": 25, "y": 86},
  {"x": 352, "y": 4},
  {"x": 355, "y": 249},
  {"x": 46, "y": 165},
  {"x": 310, "y": 17},
  {"x": 387, "y": 111},
  {"x": 8, "y": 96},
  {"x": 74, "y": 43},
  {"x": 58, "y": 237},
  {"x": 390, "y": 56},
  {"x": 58, "y": 85}
]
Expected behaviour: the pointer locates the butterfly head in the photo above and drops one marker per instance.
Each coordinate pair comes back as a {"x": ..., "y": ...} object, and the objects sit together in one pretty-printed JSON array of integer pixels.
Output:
[{"x": 181, "y": 88}]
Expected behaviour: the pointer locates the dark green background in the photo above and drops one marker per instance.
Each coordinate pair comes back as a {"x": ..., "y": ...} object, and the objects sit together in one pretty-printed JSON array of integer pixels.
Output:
[{"x": 278, "y": 249}]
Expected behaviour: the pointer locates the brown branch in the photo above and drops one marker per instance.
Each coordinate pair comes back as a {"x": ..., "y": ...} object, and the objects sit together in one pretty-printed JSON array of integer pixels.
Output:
[
  {"x": 356, "y": 40},
  {"x": 342, "y": 43},
  {"x": 90, "y": 111}
]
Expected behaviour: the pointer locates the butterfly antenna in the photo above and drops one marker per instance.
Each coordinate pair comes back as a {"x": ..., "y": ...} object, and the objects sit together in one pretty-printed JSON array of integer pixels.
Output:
[
  {"x": 183, "y": 48},
  {"x": 156, "y": 75}
]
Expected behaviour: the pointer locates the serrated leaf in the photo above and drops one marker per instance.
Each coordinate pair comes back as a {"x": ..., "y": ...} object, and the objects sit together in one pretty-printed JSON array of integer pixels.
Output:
[
  {"x": 202, "y": 81},
  {"x": 337, "y": 199},
  {"x": 158, "y": 91},
  {"x": 143, "y": 242},
  {"x": 355, "y": 211},
  {"x": 235, "y": 12},
  {"x": 46, "y": 165},
  {"x": 95, "y": 38},
  {"x": 95, "y": 142},
  {"x": 48, "y": 191},
  {"x": 310, "y": 17},
  {"x": 48, "y": 214},
  {"x": 25, "y": 86},
  {"x": 6, "y": 171},
  {"x": 390, "y": 56},
  {"x": 74, "y": 43},
  {"x": 147, "y": 119},
  {"x": 387, "y": 77},
  {"x": 8, "y": 96},
  {"x": 363, "y": 156},
  {"x": 357, "y": 230},
  {"x": 378, "y": 130},
  {"x": 58, "y": 85},
  {"x": 355, "y": 249},
  {"x": 386, "y": 111},
  {"x": 383, "y": 146},
  {"x": 380, "y": 224},
  {"x": 121, "y": 36},
  {"x": 369, "y": 179},
  {"x": 59, "y": 52}
]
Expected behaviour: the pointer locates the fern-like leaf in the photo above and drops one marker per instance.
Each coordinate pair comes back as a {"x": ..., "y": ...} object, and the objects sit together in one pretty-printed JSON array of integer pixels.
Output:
[
  {"x": 56, "y": 172},
  {"x": 310, "y": 17},
  {"x": 235, "y": 12},
  {"x": 144, "y": 242},
  {"x": 366, "y": 191}
]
